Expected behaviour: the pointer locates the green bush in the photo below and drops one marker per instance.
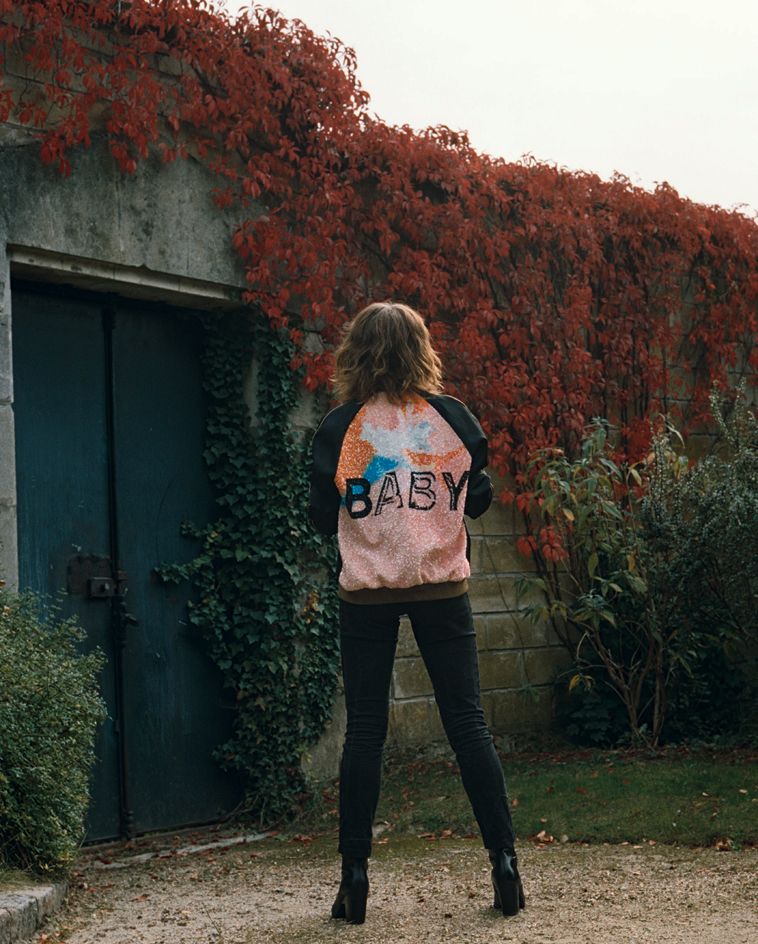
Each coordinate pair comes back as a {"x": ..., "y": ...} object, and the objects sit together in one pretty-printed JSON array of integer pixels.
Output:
[
  {"x": 592, "y": 715},
  {"x": 50, "y": 707},
  {"x": 701, "y": 526},
  {"x": 593, "y": 570},
  {"x": 650, "y": 574}
]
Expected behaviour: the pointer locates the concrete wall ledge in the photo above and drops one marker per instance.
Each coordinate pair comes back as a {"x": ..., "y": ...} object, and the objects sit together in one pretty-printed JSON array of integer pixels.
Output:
[
  {"x": 139, "y": 282},
  {"x": 24, "y": 908}
]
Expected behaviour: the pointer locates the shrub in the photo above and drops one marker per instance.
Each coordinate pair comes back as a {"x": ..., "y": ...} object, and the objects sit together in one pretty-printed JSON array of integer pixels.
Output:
[
  {"x": 701, "y": 525},
  {"x": 591, "y": 564},
  {"x": 650, "y": 572},
  {"x": 49, "y": 711}
]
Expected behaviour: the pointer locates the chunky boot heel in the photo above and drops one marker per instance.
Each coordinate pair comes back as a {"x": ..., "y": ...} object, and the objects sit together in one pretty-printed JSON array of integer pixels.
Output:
[
  {"x": 506, "y": 897},
  {"x": 350, "y": 903},
  {"x": 355, "y": 903},
  {"x": 506, "y": 881}
]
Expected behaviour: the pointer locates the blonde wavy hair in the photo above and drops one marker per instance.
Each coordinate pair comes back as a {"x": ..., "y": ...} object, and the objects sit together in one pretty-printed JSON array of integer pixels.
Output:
[{"x": 386, "y": 348}]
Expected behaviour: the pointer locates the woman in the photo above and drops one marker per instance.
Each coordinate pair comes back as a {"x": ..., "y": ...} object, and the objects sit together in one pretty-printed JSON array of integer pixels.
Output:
[{"x": 395, "y": 468}]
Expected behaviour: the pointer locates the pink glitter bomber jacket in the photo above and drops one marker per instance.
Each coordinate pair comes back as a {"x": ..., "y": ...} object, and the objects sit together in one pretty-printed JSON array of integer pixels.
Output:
[{"x": 393, "y": 482}]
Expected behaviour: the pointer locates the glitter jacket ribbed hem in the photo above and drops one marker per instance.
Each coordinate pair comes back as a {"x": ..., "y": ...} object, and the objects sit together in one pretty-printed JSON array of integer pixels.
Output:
[
  {"x": 393, "y": 482},
  {"x": 425, "y": 591}
]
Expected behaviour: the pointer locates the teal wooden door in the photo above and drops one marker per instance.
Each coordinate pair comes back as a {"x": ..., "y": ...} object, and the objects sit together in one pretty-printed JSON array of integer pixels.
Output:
[{"x": 110, "y": 416}]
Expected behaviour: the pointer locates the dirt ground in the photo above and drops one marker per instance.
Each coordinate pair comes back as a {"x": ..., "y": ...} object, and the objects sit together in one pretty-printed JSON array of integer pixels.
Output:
[{"x": 275, "y": 892}]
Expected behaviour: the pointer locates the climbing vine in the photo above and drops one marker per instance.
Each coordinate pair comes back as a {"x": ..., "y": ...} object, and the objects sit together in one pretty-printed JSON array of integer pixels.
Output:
[
  {"x": 263, "y": 599},
  {"x": 553, "y": 297}
]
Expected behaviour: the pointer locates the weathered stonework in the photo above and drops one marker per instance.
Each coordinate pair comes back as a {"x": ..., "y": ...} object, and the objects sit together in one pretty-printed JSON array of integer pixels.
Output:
[
  {"x": 8, "y": 540},
  {"x": 23, "y": 909}
]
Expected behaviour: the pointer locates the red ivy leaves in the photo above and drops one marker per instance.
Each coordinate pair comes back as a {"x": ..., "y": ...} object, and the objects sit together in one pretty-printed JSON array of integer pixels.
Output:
[{"x": 553, "y": 297}]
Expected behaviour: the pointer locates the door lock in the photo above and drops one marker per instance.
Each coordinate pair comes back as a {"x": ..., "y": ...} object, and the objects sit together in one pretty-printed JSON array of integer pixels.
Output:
[
  {"x": 92, "y": 577},
  {"x": 98, "y": 588}
]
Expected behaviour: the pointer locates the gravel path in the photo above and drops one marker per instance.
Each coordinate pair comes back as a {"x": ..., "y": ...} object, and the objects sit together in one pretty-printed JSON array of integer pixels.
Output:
[{"x": 277, "y": 892}]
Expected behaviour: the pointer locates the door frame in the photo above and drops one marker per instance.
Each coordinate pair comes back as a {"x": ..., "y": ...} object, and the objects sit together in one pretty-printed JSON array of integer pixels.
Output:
[{"x": 105, "y": 303}]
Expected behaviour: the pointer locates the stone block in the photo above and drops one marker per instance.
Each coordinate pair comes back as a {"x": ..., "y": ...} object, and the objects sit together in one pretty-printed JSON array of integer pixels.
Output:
[
  {"x": 508, "y": 712},
  {"x": 492, "y": 554},
  {"x": 414, "y": 724},
  {"x": 510, "y": 631},
  {"x": 162, "y": 218},
  {"x": 475, "y": 525},
  {"x": 496, "y": 520},
  {"x": 496, "y": 593},
  {"x": 499, "y": 631},
  {"x": 411, "y": 679},
  {"x": 542, "y": 666},
  {"x": 322, "y": 760},
  {"x": 7, "y": 454},
  {"x": 305, "y": 414},
  {"x": 22, "y": 910},
  {"x": 500, "y": 669},
  {"x": 6, "y": 359},
  {"x": 8, "y": 545},
  {"x": 486, "y": 594},
  {"x": 480, "y": 627},
  {"x": 542, "y": 633},
  {"x": 406, "y": 641}
]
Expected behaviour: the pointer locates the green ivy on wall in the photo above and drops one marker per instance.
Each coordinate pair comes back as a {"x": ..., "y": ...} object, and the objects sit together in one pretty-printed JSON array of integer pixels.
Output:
[{"x": 264, "y": 595}]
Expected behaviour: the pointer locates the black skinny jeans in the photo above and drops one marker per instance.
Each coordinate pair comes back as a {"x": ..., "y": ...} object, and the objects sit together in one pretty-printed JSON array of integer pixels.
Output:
[{"x": 444, "y": 631}]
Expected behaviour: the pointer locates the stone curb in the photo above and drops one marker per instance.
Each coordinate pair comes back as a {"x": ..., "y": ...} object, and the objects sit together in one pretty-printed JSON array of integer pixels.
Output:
[{"x": 23, "y": 910}]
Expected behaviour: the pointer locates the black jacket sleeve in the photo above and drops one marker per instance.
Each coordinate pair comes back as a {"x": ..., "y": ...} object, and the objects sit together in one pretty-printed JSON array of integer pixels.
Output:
[
  {"x": 324, "y": 501},
  {"x": 479, "y": 492}
]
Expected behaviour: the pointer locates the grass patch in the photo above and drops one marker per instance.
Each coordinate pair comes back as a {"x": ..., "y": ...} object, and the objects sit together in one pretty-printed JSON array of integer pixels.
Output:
[
  {"x": 11, "y": 879},
  {"x": 694, "y": 797}
]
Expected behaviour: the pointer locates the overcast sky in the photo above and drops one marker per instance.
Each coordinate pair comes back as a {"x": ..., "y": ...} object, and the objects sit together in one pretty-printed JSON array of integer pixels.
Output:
[{"x": 655, "y": 89}]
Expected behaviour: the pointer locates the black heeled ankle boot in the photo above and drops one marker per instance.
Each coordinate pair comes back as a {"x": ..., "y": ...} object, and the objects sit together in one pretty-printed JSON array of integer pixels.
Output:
[
  {"x": 350, "y": 902},
  {"x": 509, "y": 892}
]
